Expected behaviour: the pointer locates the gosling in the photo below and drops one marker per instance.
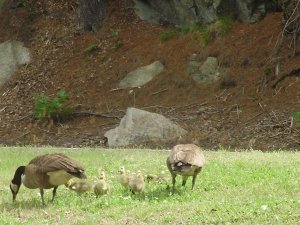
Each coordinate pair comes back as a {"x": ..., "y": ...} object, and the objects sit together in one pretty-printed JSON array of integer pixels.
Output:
[
  {"x": 101, "y": 187},
  {"x": 79, "y": 186},
  {"x": 136, "y": 183},
  {"x": 123, "y": 178}
]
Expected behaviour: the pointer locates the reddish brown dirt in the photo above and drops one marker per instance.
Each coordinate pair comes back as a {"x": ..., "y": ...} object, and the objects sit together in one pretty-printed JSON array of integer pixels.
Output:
[{"x": 251, "y": 114}]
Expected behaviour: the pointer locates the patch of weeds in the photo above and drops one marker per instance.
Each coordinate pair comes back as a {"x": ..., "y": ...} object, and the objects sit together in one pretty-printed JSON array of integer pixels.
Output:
[
  {"x": 1, "y": 3},
  {"x": 296, "y": 116},
  {"x": 209, "y": 32},
  {"x": 91, "y": 48},
  {"x": 114, "y": 32},
  {"x": 186, "y": 28},
  {"x": 46, "y": 108},
  {"x": 267, "y": 71},
  {"x": 167, "y": 35},
  {"x": 117, "y": 44}
]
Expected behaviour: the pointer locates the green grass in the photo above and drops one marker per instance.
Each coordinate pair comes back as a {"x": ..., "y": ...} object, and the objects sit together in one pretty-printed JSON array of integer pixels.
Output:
[{"x": 233, "y": 188}]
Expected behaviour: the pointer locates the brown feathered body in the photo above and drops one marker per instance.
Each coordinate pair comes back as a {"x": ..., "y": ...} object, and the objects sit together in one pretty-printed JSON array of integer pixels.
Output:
[
  {"x": 45, "y": 172},
  {"x": 185, "y": 160}
]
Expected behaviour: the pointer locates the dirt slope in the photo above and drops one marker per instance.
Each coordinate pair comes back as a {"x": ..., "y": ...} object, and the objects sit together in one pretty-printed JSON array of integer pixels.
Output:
[{"x": 251, "y": 114}]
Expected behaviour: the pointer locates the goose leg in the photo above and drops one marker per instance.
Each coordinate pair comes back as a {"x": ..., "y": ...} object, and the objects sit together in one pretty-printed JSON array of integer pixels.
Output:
[
  {"x": 195, "y": 175},
  {"x": 173, "y": 181},
  {"x": 194, "y": 180},
  {"x": 54, "y": 193},
  {"x": 184, "y": 179},
  {"x": 42, "y": 195}
]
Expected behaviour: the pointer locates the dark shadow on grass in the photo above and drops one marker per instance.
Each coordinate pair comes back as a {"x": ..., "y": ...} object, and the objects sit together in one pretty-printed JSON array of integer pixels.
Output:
[{"x": 28, "y": 204}]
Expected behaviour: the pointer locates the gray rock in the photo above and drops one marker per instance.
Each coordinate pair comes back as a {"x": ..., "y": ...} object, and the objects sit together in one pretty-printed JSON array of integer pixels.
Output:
[
  {"x": 12, "y": 55},
  {"x": 207, "y": 72},
  {"x": 141, "y": 75},
  {"x": 139, "y": 126}
]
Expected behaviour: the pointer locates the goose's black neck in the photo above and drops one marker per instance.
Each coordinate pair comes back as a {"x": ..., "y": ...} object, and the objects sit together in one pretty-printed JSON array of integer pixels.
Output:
[{"x": 18, "y": 174}]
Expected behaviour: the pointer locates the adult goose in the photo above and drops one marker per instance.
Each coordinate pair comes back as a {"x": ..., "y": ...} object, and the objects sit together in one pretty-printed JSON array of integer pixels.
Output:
[
  {"x": 185, "y": 160},
  {"x": 45, "y": 172}
]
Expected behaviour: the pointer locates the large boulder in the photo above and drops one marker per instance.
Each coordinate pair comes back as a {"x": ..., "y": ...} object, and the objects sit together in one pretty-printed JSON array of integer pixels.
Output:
[
  {"x": 179, "y": 12},
  {"x": 141, "y": 75},
  {"x": 138, "y": 127},
  {"x": 12, "y": 55}
]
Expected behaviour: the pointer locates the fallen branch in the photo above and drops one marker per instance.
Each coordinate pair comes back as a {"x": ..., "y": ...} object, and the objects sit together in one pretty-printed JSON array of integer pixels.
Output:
[
  {"x": 85, "y": 113},
  {"x": 155, "y": 93},
  {"x": 295, "y": 72}
]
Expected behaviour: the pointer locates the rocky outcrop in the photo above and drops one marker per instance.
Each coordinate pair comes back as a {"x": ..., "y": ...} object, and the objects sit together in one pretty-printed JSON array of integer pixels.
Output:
[
  {"x": 205, "y": 72},
  {"x": 91, "y": 13},
  {"x": 138, "y": 127},
  {"x": 180, "y": 12},
  {"x": 141, "y": 75},
  {"x": 12, "y": 55}
]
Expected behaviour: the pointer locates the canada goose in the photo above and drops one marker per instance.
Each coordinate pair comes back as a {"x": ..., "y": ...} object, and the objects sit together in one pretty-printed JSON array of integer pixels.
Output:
[
  {"x": 123, "y": 178},
  {"x": 80, "y": 186},
  {"x": 185, "y": 160},
  {"x": 45, "y": 172},
  {"x": 101, "y": 187},
  {"x": 136, "y": 183}
]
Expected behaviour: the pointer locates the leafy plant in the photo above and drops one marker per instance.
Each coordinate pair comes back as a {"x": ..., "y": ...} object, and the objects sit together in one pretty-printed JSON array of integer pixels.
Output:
[
  {"x": 296, "y": 116},
  {"x": 114, "y": 32},
  {"x": 167, "y": 35},
  {"x": 56, "y": 108},
  {"x": 91, "y": 48},
  {"x": 209, "y": 32},
  {"x": 1, "y": 3},
  {"x": 117, "y": 44}
]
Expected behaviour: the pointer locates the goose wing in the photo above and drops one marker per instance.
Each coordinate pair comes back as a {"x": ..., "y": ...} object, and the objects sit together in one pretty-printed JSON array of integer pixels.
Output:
[
  {"x": 58, "y": 161},
  {"x": 187, "y": 154}
]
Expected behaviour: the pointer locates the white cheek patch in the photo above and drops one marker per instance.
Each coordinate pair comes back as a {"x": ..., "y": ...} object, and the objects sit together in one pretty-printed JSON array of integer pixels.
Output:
[
  {"x": 179, "y": 164},
  {"x": 14, "y": 187}
]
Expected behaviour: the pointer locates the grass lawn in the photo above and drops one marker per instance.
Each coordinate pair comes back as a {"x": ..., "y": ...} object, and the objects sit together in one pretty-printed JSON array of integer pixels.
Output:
[{"x": 233, "y": 188}]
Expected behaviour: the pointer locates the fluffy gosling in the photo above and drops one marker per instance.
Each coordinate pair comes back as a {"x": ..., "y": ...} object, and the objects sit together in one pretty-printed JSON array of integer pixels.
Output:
[
  {"x": 136, "y": 183},
  {"x": 79, "y": 186},
  {"x": 122, "y": 177},
  {"x": 101, "y": 187}
]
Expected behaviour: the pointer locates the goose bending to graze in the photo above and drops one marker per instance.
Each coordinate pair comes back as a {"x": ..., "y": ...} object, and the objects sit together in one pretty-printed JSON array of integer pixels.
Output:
[
  {"x": 45, "y": 172},
  {"x": 185, "y": 160}
]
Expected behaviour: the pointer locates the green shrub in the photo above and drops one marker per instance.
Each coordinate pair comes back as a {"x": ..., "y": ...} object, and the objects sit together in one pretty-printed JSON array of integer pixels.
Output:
[
  {"x": 56, "y": 108},
  {"x": 91, "y": 48},
  {"x": 167, "y": 35},
  {"x": 191, "y": 27},
  {"x": 296, "y": 116},
  {"x": 117, "y": 44},
  {"x": 209, "y": 32}
]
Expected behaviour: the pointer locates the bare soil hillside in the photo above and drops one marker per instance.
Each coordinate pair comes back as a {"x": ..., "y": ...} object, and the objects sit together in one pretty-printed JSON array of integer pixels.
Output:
[{"x": 254, "y": 113}]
